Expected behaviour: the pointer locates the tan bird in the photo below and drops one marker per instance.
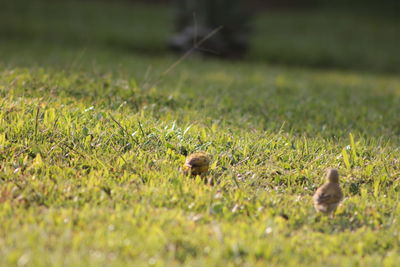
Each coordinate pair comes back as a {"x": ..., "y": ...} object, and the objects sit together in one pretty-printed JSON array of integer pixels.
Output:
[
  {"x": 329, "y": 195},
  {"x": 197, "y": 164}
]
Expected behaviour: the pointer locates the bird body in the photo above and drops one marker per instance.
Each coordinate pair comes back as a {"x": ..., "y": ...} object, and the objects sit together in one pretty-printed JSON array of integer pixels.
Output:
[
  {"x": 328, "y": 197},
  {"x": 197, "y": 164}
]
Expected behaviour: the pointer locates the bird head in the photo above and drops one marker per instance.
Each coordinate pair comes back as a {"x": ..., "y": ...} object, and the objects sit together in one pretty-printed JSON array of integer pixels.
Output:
[
  {"x": 197, "y": 163},
  {"x": 332, "y": 176}
]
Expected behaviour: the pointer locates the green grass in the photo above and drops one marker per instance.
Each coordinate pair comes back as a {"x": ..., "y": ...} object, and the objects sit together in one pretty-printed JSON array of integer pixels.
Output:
[
  {"x": 92, "y": 139},
  {"x": 359, "y": 38},
  {"x": 329, "y": 38}
]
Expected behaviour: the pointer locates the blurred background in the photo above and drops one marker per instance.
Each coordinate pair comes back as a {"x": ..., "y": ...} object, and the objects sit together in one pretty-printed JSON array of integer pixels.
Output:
[{"x": 340, "y": 34}]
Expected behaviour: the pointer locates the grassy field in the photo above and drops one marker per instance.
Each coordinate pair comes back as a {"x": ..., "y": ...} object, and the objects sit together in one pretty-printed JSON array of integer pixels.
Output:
[{"x": 93, "y": 135}]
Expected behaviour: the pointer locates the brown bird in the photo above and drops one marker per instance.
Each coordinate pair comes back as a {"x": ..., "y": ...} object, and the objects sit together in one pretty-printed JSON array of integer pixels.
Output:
[
  {"x": 329, "y": 195},
  {"x": 197, "y": 164}
]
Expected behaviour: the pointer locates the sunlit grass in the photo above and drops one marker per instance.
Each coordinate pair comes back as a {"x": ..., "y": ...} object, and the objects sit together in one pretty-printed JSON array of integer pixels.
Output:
[{"x": 92, "y": 141}]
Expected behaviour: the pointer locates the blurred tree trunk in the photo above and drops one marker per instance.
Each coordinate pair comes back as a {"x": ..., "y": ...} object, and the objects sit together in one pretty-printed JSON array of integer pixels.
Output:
[{"x": 195, "y": 19}]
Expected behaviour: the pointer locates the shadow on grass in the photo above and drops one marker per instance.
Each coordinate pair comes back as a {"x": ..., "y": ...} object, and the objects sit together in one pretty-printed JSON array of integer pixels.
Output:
[{"x": 312, "y": 38}]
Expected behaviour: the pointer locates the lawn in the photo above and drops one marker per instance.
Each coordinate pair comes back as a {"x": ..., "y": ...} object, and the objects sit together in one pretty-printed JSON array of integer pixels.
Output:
[{"x": 93, "y": 133}]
